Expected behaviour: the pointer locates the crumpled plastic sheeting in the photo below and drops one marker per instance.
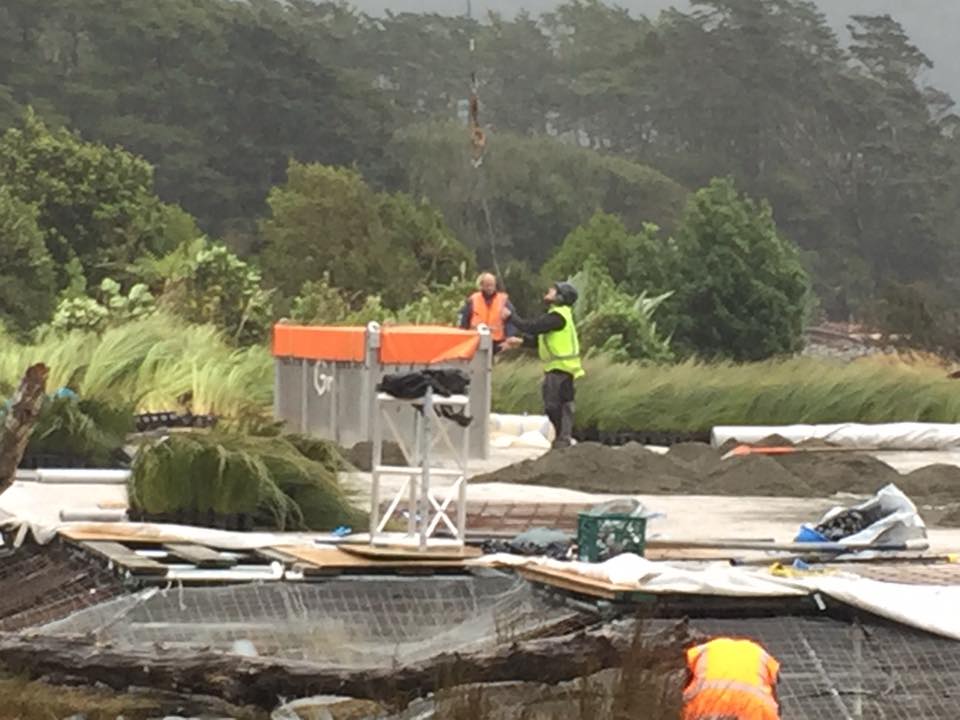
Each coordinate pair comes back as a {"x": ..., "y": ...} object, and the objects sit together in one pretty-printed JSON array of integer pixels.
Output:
[
  {"x": 901, "y": 524},
  {"x": 637, "y": 573},
  {"x": 926, "y": 607}
]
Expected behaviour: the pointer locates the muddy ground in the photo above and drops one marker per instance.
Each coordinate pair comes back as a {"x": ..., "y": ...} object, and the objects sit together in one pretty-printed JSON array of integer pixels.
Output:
[{"x": 698, "y": 469}]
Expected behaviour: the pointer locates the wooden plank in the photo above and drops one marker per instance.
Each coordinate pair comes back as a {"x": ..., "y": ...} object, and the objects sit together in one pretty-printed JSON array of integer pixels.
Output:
[
  {"x": 334, "y": 558},
  {"x": 574, "y": 583},
  {"x": 118, "y": 532},
  {"x": 275, "y": 555},
  {"x": 393, "y": 552},
  {"x": 202, "y": 557},
  {"x": 124, "y": 557}
]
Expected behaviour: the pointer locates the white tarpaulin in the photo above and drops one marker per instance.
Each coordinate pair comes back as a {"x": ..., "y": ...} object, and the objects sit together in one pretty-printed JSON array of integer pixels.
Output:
[
  {"x": 890, "y": 436},
  {"x": 930, "y": 608}
]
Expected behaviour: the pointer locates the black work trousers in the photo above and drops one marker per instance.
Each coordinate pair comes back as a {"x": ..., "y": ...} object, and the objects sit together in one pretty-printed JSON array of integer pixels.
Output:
[{"x": 558, "y": 397}]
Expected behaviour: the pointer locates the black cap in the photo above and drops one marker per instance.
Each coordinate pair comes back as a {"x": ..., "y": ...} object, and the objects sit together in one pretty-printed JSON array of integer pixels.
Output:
[{"x": 566, "y": 292}]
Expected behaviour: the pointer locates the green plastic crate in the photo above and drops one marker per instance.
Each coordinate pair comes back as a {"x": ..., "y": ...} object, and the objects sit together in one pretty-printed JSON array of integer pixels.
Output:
[{"x": 616, "y": 532}]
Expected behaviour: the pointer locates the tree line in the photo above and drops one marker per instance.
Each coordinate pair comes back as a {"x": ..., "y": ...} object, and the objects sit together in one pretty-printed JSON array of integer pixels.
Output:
[{"x": 587, "y": 109}]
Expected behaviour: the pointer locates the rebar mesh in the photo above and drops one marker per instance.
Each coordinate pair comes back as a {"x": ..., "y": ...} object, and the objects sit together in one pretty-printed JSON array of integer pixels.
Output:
[
  {"x": 43, "y": 583},
  {"x": 835, "y": 670},
  {"x": 348, "y": 623},
  {"x": 831, "y": 670}
]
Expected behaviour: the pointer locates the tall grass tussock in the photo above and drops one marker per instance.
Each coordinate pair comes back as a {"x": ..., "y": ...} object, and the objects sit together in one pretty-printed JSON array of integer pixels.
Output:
[
  {"x": 267, "y": 478},
  {"x": 694, "y": 397},
  {"x": 149, "y": 365}
]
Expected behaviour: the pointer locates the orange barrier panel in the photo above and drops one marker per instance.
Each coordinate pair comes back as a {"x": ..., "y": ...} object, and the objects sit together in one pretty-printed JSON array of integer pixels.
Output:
[
  {"x": 335, "y": 344},
  {"x": 426, "y": 344}
]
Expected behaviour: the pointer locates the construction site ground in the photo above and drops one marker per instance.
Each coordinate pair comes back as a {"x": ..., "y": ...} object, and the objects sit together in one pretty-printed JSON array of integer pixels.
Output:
[
  {"x": 502, "y": 506},
  {"x": 505, "y": 506}
]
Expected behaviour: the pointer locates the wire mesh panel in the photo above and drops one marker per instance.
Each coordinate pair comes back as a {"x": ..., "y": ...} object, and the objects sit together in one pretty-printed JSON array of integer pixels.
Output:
[
  {"x": 349, "y": 623},
  {"x": 42, "y": 583},
  {"x": 831, "y": 669}
]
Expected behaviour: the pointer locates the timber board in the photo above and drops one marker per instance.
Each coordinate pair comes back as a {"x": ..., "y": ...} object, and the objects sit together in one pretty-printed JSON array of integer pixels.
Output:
[{"x": 124, "y": 557}]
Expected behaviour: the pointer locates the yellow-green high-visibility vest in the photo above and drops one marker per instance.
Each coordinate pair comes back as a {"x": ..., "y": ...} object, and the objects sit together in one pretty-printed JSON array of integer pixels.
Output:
[{"x": 560, "y": 349}]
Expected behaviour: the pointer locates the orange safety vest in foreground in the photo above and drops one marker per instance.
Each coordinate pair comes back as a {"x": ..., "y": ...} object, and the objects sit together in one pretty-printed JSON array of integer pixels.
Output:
[
  {"x": 731, "y": 679},
  {"x": 490, "y": 315}
]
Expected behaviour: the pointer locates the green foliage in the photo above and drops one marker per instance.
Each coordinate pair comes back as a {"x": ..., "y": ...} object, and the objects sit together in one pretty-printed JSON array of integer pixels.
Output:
[
  {"x": 423, "y": 251},
  {"x": 110, "y": 309},
  {"x": 525, "y": 287},
  {"x": 89, "y": 431},
  {"x": 327, "y": 222},
  {"x": 150, "y": 363},
  {"x": 319, "y": 303},
  {"x": 919, "y": 316},
  {"x": 216, "y": 287},
  {"x": 695, "y": 397},
  {"x": 217, "y": 94},
  {"x": 27, "y": 276},
  {"x": 740, "y": 289},
  {"x": 439, "y": 305},
  {"x": 95, "y": 204},
  {"x": 629, "y": 258},
  {"x": 587, "y": 107},
  {"x": 613, "y": 324},
  {"x": 233, "y": 474},
  {"x": 322, "y": 304},
  {"x": 535, "y": 189},
  {"x": 324, "y": 220}
]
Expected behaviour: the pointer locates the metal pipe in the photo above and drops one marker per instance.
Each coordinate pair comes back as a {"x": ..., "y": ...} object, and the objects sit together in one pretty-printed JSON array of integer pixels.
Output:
[
  {"x": 797, "y": 547},
  {"x": 93, "y": 476},
  {"x": 95, "y": 515}
]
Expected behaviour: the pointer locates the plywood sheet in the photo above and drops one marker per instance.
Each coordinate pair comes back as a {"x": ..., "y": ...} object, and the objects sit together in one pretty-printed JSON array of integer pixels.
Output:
[
  {"x": 333, "y": 558},
  {"x": 571, "y": 581}
]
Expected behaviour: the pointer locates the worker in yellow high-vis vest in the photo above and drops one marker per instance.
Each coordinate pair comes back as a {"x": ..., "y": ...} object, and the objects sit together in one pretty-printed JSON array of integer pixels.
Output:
[{"x": 555, "y": 335}]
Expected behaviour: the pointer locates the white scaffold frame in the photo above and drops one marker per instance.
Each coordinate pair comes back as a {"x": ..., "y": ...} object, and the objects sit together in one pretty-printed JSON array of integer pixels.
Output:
[{"x": 426, "y": 510}]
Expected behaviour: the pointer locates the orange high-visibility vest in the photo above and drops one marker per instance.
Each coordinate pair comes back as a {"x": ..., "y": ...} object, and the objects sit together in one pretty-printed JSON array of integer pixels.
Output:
[
  {"x": 490, "y": 315},
  {"x": 731, "y": 678}
]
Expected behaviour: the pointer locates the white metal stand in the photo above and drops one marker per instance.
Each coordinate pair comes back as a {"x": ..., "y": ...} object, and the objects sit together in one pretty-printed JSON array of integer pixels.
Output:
[{"x": 426, "y": 509}]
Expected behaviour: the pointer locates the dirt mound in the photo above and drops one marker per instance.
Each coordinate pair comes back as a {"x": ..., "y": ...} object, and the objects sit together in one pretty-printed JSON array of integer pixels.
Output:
[
  {"x": 936, "y": 484},
  {"x": 773, "y": 441},
  {"x": 754, "y": 475},
  {"x": 699, "y": 457},
  {"x": 591, "y": 467},
  {"x": 829, "y": 473},
  {"x": 951, "y": 518},
  {"x": 696, "y": 469}
]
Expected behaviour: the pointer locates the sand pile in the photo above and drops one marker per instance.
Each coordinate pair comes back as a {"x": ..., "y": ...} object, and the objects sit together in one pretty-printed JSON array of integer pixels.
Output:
[{"x": 697, "y": 469}]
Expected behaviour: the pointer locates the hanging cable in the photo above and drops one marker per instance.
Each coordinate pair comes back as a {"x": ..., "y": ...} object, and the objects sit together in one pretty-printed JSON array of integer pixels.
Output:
[{"x": 478, "y": 141}]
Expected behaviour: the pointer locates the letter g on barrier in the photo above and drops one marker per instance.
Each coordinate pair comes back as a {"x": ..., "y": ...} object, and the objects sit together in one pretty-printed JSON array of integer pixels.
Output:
[{"x": 322, "y": 382}]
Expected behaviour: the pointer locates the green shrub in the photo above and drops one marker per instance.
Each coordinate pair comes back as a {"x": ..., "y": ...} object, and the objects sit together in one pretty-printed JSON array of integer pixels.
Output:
[
  {"x": 613, "y": 324},
  {"x": 88, "y": 431}
]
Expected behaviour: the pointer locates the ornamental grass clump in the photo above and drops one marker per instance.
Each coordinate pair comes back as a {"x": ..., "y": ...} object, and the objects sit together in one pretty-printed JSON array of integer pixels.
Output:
[{"x": 267, "y": 478}]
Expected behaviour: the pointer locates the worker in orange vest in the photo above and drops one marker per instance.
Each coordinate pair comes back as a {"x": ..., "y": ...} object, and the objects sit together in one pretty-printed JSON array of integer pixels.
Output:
[
  {"x": 486, "y": 307},
  {"x": 731, "y": 679}
]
